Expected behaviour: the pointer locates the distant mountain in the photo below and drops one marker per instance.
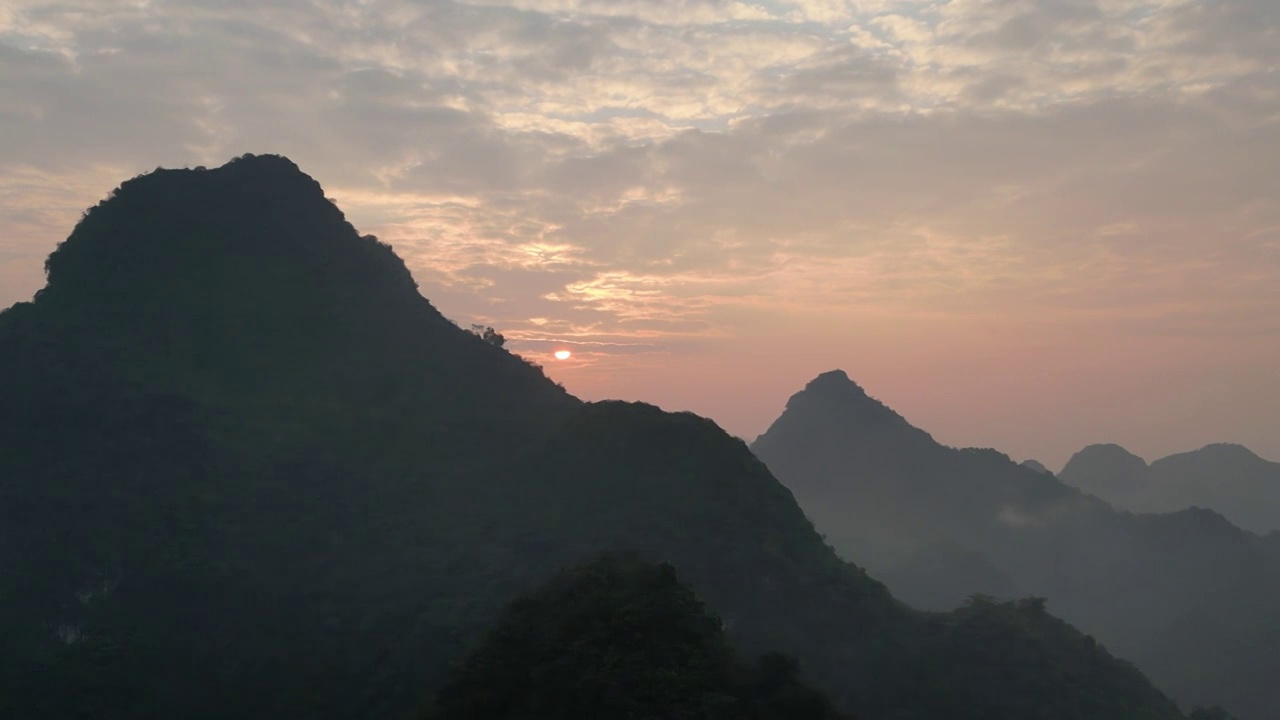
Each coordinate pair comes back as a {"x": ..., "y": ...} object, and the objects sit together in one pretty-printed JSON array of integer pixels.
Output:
[
  {"x": 1035, "y": 465},
  {"x": 248, "y": 471},
  {"x": 895, "y": 490},
  {"x": 1106, "y": 467},
  {"x": 1227, "y": 478},
  {"x": 938, "y": 523}
]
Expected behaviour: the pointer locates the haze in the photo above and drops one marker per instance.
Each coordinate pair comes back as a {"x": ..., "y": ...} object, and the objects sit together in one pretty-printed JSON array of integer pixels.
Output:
[{"x": 1026, "y": 225}]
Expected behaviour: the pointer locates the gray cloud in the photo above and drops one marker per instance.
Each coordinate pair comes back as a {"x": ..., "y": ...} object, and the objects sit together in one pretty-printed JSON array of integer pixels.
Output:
[{"x": 659, "y": 175}]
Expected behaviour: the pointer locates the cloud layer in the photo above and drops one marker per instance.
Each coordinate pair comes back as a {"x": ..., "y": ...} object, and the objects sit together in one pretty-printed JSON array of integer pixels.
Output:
[{"x": 1015, "y": 207}]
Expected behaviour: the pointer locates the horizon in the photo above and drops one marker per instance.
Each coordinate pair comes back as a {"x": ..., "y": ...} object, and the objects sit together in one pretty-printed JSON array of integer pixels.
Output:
[{"x": 1026, "y": 228}]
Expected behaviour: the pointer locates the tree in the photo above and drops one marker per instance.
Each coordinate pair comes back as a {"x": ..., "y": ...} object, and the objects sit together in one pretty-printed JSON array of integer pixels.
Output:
[
  {"x": 620, "y": 638},
  {"x": 489, "y": 335}
]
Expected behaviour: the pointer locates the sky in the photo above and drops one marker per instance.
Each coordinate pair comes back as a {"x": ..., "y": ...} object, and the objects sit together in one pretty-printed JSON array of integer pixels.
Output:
[{"x": 1028, "y": 225}]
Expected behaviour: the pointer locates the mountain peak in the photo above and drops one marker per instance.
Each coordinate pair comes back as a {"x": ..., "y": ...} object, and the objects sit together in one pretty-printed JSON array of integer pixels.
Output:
[
  {"x": 268, "y": 162},
  {"x": 837, "y": 384},
  {"x": 835, "y": 396},
  {"x": 832, "y": 378},
  {"x": 832, "y": 403},
  {"x": 199, "y": 233},
  {"x": 1105, "y": 467},
  {"x": 1109, "y": 453},
  {"x": 1036, "y": 465},
  {"x": 1229, "y": 450},
  {"x": 256, "y": 235},
  {"x": 243, "y": 276}
]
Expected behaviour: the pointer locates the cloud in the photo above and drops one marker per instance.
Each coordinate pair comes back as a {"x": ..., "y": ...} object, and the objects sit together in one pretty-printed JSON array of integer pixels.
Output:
[{"x": 662, "y": 171}]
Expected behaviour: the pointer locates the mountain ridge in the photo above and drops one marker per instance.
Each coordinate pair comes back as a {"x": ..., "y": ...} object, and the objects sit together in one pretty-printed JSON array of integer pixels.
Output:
[
  {"x": 906, "y": 507},
  {"x": 258, "y": 487},
  {"x": 1227, "y": 477}
]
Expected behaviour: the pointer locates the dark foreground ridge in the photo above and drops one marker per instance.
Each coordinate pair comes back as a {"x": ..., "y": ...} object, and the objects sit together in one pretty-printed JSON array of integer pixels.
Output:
[
  {"x": 620, "y": 638},
  {"x": 1192, "y": 599},
  {"x": 247, "y": 471}
]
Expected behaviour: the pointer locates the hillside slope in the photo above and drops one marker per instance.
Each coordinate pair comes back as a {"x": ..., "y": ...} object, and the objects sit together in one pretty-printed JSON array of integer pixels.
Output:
[
  {"x": 247, "y": 471},
  {"x": 1187, "y": 595}
]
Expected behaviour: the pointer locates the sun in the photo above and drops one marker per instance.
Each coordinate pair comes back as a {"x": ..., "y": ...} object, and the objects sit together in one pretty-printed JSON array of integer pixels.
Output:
[{"x": 563, "y": 354}]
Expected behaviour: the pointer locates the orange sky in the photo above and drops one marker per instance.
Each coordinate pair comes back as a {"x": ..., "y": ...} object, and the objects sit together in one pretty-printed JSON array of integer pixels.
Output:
[{"x": 1027, "y": 225}]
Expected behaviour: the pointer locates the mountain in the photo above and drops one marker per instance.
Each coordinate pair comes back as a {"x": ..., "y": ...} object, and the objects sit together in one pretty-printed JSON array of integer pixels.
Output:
[
  {"x": 897, "y": 492},
  {"x": 619, "y": 638},
  {"x": 247, "y": 470},
  {"x": 1229, "y": 478},
  {"x": 945, "y": 575},
  {"x": 1102, "y": 469},
  {"x": 1035, "y": 465},
  {"x": 1187, "y": 595}
]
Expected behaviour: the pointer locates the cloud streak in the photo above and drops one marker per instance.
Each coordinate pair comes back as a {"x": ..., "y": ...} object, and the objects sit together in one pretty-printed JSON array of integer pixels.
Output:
[{"x": 703, "y": 175}]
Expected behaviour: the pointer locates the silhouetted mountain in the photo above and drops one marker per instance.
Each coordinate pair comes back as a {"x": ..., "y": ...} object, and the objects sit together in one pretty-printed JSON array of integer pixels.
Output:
[
  {"x": 894, "y": 488},
  {"x": 619, "y": 638},
  {"x": 1228, "y": 478},
  {"x": 1102, "y": 469},
  {"x": 938, "y": 523},
  {"x": 247, "y": 471},
  {"x": 1035, "y": 465}
]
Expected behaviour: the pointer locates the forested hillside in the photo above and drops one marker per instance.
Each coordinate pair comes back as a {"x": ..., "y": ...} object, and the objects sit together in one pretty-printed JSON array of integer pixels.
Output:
[{"x": 247, "y": 471}]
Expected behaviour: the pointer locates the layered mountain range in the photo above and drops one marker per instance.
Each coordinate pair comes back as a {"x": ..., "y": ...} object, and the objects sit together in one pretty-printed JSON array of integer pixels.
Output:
[
  {"x": 1191, "y": 598},
  {"x": 1226, "y": 477},
  {"x": 247, "y": 470}
]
